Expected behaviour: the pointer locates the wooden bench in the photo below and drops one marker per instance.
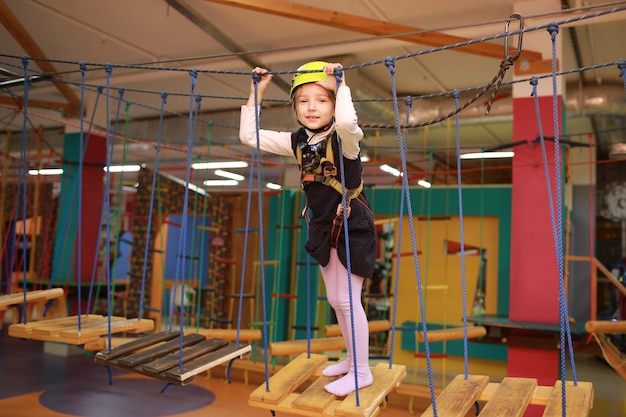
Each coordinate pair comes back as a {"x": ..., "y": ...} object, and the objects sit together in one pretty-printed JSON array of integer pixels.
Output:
[{"x": 287, "y": 392}]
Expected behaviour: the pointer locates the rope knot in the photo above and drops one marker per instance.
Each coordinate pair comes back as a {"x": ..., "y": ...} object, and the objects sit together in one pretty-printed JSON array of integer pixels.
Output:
[
  {"x": 108, "y": 68},
  {"x": 534, "y": 81},
  {"x": 256, "y": 77},
  {"x": 389, "y": 63},
  {"x": 25, "y": 61},
  {"x": 621, "y": 65},
  {"x": 409, "y": 101},
  {"x": 553, "y": 28},
  {"x": 83, "y": 67},
  {"x": 338, "y": 75},
  {"x": 164, "y": 97}
]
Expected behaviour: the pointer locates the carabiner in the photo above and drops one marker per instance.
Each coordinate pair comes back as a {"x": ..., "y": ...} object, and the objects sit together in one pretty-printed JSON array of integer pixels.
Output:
[{"x": 518, "y": 51}]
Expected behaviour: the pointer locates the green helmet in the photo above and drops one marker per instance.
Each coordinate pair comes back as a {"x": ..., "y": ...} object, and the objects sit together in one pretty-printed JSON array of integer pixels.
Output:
[{"x": 300, "y": 78}]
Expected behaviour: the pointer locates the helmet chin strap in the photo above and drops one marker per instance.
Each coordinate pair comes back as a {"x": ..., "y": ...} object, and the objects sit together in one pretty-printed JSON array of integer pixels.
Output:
[{"x": 319, "y": 129}]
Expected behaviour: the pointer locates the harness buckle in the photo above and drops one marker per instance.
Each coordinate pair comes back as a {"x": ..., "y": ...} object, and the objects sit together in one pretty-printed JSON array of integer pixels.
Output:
[{"x": 329, "y": 169}]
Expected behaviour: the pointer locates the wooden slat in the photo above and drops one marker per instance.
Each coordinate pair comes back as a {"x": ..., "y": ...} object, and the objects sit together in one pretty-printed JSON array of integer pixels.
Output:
[
  {"x": 453, "y": 333},
  {"x": 197, "y": 350},
  {"x": 25, "y": 330},
  {"x": 288, "y": 379},
  {"x": 459, "y": 396},
  {"x": 579, "y": 400},
  {"x": 510, "y": 398},
  {"x": 54, "y": 327},
  {"x": 294, "y": 347},
  {"x": 31, "y": 297},
  {"x": 159, "y": 351},
  {"x": 209, "y": 361},
  {"x": 315, "y": 398},
  {"x": 370, "y": 398},
  {"x": 229, "y": 334},
  {"x": 136, "y": 344},
  {"x": 372, "y": 326},
  {"x": 117, "y": 326}
]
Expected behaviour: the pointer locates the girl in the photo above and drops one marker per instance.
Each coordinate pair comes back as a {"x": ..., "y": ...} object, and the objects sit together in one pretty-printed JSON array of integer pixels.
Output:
[{"x": 328, "y": 123}]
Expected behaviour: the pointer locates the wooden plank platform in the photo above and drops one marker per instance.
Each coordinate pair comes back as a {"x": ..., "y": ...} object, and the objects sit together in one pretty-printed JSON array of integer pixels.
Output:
[
  {"x": 65, "y": 329},
  {"x": 289, "y": 393},
  {"x": 159, "y": 356},
  {"x": 509, "y": 398},
  {"x": 17, "y": 298}
]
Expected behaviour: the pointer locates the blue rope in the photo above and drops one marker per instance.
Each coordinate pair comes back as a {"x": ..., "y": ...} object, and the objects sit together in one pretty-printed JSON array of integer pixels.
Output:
[
  {"x": 344, "y": 205},
  {"x": 394, "y": 317},
  {"x": 23, "y": 172},
  {"x": 151, "y": 207},
  {"x": 107, "y": 200},
  {"x": 182, "y": 249},
  {"x": 461, "y": 237},
  {"x": 389, "y": 62},
  {"x": 621, "y": 65},
  {"x": 256, "y": 77}
]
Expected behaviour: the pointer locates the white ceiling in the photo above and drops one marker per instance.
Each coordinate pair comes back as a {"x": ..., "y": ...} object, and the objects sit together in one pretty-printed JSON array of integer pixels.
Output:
[{"x": 152, "y": 44}]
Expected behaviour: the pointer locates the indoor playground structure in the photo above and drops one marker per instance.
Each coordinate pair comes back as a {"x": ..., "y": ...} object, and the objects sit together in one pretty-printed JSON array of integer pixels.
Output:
[{"x": 475, "y": 303}]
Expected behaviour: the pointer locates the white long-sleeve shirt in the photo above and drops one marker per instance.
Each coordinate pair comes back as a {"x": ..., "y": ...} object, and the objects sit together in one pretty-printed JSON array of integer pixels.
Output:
[{"x": 279, "y": 143}]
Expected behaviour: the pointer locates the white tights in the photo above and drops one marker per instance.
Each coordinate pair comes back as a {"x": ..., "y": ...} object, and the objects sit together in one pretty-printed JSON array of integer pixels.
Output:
[{"x": 335, "y": 278}]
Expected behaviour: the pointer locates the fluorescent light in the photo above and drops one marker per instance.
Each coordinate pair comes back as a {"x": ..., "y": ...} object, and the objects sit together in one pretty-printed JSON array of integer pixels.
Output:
[
  {"x": 273, "y": 186},
  {"x": 47, "y": 171},
  {"x": 217, "y": 183},
  {"x": 424, "y": 183},
  {"x": 487, "y": 155},
  {"x": 123, "y": 168},
  {"x": 393, "y": 171},
  {"x": 230, "y": 175},
  {"x": 219, "y": 165},
  {"x": 365, "y": 158}
]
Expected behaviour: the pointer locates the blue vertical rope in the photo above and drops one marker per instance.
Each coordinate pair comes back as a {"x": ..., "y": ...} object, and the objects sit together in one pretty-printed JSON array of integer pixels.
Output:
[
  {"x": 23, "y": 172},
  {"x": 344, "y": 205},
  {"x": 107, "y": 192},
  {"x": 389, "y": 62},
  {"x": 461, "y": 234},
  {"x": 256, "y": 160},
  {"x": 394, "y": 317},
  {"x": 157, "y": 150},
  {"x": 182, "y": 247},
  {"x": 621, "y": 65}
]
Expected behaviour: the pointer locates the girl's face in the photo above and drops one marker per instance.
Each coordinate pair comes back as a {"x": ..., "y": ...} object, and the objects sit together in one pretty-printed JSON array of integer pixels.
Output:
[{"x": 314, "y": 106}]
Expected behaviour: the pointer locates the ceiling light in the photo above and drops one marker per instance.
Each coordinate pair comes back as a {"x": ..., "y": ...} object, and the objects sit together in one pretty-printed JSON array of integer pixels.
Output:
[
  {"x": 273, "y": 186},
  {"x": 47, "y": 171},
  {"x": 487, "y": 155},
  {"x": 219, "y": 165},
  {"x": 365, "y": 158},
  {"x": 229, "y": 175},
  {"x": 123, "y": 168},
  {"x": 424, "y": 183},
  {"x": 391, "y": 170},
  {"x": 220, "y": 183}
]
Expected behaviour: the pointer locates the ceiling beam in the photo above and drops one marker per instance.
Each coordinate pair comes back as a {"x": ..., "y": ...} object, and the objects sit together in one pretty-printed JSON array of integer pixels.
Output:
[
  {"x": 21, "y": 35},
  {"x": 374, "y": 27},
  {"x": 39, "y": 104},
  {"x": 220, "y": 36}
]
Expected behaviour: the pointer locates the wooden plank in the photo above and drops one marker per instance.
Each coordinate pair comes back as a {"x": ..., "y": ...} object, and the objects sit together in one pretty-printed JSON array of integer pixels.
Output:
[
  {"x": 31, "y": 297},
  {"x": 119, "y": 325},
  {"x": 159, "y": 351},
  {"x": 55, "y": 328},
  {"x": 294, "y": 347},
  {"x": 372, "y": 326},
  {"x": 315, "y": 398},
  {"x": 287, "y": 379},
  {"x": 25, "y": 330},
  {"x": 510, "y": 398},
  {"x": 199, "y": 349},
  {"x": 371, "y": 397},
  {"x": 136, "y": 344},
  {"x": 209, "y": 361},
  {"x": 453, "y": 333},
  {"x": 459, "y": 396},
  {"x": 229, "y": 334},
  {"x": 579, "y": 400}
]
